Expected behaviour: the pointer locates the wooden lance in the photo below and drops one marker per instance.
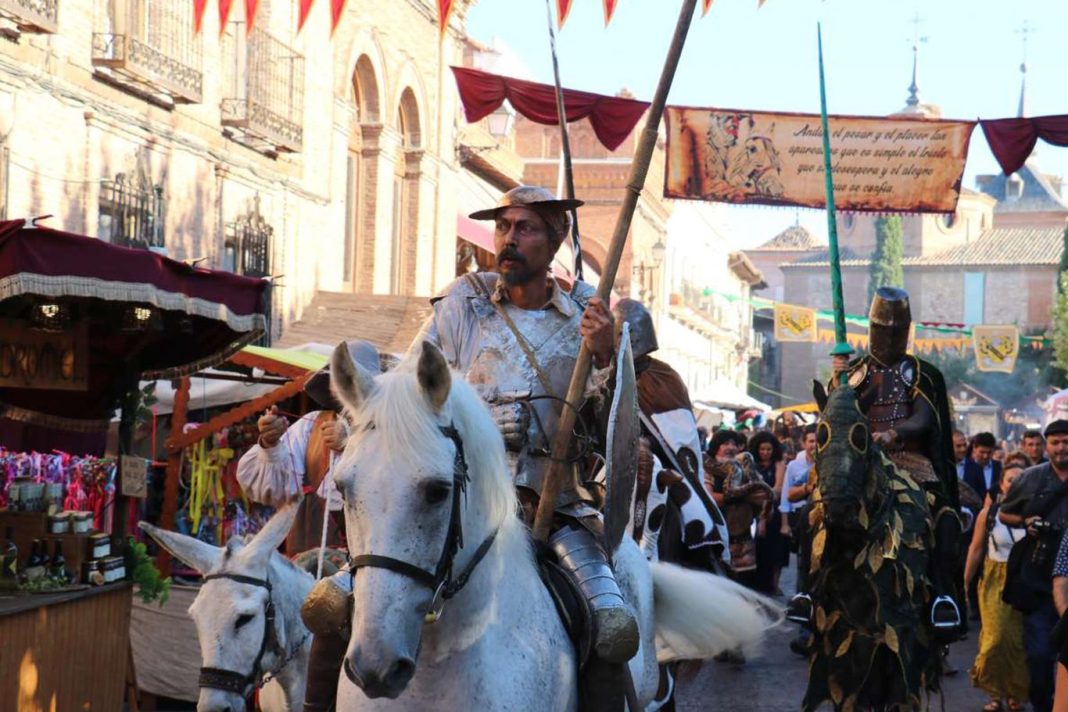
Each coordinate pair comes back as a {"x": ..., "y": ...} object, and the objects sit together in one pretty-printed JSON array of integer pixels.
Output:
[
  {"x": 559, "y": 472},
  {"x": 841, "y": 346}
]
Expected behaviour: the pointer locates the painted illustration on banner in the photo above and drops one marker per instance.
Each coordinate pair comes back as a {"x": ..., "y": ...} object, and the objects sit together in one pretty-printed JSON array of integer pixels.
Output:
[
  {"x": 996, "y": 347},
  {"x": 795, "y": 323},
  {"x": 761, "y": 158}
]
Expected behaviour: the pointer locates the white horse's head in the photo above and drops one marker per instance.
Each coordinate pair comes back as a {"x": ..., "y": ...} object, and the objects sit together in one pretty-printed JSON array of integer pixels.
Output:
[
  {"x": 402, "y": 480},
  {"x": 231, "y": 616}
]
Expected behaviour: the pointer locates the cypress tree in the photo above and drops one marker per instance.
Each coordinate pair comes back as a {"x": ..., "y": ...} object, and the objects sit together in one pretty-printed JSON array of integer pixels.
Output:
[{"x": 885, "y": 269}]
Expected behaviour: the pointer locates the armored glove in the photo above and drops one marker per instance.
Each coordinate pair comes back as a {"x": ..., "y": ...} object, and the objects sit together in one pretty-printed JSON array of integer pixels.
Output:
[{"x": 512, "y": 421}]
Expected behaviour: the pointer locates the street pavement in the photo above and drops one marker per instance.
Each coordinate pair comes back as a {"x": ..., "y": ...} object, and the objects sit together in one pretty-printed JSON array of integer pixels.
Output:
[{"x": 775, "y": 681}]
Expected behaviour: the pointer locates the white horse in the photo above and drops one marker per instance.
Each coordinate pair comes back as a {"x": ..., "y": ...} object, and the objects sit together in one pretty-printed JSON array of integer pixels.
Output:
[
  {"x": 418, "y": 531},
  {"x": 247, "y": 616}
]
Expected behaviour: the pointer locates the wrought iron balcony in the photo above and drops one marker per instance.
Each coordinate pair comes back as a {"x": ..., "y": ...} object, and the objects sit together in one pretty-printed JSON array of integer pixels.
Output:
[
  {"x": 31, "y": 15},
  {"x": 264, "y": 107},
  {"x": 148, "y": 47}
]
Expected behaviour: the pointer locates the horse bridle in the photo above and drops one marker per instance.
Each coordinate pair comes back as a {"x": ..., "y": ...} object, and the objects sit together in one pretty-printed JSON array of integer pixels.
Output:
[
  {"x": 440, "y": 581},
  {"x": 233, "y": 681}
]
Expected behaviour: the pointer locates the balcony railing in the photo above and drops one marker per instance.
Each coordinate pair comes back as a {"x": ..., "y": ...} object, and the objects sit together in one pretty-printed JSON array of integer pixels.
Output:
[
  {"x": 148, "y": 47},
  {"x": 264, "y": 106},
  {"x": 31, "y": 15},
  {"x": 131, "y": 212}
]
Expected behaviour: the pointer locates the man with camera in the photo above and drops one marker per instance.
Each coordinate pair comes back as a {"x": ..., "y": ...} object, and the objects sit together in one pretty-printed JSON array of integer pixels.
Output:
[{"x": 1038, "y": 500}]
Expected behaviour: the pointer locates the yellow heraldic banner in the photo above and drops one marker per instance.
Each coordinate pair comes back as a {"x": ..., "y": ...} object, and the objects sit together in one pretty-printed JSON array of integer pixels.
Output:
[
  {"x": 795, "y": 323},
  {"x": 996, "y": 347},
  {"x": 879, "y": 164}
]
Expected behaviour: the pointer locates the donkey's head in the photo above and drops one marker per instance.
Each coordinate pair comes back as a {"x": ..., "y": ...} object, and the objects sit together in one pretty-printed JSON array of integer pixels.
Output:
[
  {"x": 231, "y": 616},
  {"x": 418, "y": 434},
  {"x": 844, "y": 459}
]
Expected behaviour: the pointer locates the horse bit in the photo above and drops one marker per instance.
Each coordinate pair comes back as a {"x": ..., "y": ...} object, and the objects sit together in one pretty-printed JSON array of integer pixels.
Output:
[
  {"x": 233, "y": 681},
  {"x": 441, "y": 580}
]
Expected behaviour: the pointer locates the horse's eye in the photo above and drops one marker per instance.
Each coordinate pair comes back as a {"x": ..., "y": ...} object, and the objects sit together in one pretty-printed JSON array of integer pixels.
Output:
[
  {"x": 823, "y": 436},
  {"x": 243, "y": 620},
  {"x": 858, "y": 437},
  {"x": 436, "y": 492}
]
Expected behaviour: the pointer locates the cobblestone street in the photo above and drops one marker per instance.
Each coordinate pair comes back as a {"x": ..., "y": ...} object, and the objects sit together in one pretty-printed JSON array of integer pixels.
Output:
[{"x": 775, "y": 681}]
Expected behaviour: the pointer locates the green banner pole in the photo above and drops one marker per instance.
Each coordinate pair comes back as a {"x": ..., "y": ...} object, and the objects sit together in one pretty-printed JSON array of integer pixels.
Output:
[{"x": 841, "y": 346}]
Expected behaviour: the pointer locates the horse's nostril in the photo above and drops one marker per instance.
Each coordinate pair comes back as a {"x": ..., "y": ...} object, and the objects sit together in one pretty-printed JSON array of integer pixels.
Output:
[
  {"x": 400, "y": 673},
  {"x": 350, "y": 672}
]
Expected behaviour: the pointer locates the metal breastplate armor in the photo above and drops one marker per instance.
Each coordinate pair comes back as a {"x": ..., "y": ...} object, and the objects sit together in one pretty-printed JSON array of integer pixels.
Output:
[
  {"x": 501, "y": 369},
  {"x": 886, "y": 394}
]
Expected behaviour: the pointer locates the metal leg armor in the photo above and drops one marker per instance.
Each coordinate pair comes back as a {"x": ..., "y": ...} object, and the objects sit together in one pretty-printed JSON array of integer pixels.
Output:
[
  {"x": 616, "y": 634},
  {"x": 327, "y": 613}
]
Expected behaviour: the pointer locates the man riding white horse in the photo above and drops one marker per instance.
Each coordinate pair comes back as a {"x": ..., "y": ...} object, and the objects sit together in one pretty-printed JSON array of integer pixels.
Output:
[{"x": 515, "y": 336}]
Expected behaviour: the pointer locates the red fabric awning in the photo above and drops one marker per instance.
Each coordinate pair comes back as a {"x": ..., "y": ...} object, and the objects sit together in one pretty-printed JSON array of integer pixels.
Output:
[
  {"x": 476, "y": 233},
  {"x": 612, "y": 118},
  {"x": 1013, "y": 140},
  {"x": 200, "y": 317}
]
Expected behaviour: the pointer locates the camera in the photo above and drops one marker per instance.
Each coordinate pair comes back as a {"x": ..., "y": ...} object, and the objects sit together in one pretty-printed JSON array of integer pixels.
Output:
[
  {"x": 1048, "y": 540},
  {"x": 1042, "y": 527}
]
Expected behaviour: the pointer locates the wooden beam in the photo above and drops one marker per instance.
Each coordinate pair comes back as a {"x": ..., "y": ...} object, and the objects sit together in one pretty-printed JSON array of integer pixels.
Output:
[
  {"x": 243, "y": 358},
  {"x": 173, "y": 471},
  {"x": 179, "y": 440}
]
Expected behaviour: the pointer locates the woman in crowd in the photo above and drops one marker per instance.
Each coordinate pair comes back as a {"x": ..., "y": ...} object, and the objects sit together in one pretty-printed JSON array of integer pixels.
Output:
[
  {"x": 1000, "y": 668},
  {"x": 771, "y": 546}
]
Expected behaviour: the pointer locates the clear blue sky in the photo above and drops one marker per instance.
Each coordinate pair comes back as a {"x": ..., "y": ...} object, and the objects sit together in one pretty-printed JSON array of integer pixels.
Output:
[{"x": 740, "y": 57}]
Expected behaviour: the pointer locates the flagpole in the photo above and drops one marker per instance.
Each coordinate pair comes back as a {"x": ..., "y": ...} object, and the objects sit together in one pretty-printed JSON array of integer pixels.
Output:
[
  {"x": 841, "y": 346},
  {"x": 565, "y": 146},
  {"x": 559, "y": 472}
]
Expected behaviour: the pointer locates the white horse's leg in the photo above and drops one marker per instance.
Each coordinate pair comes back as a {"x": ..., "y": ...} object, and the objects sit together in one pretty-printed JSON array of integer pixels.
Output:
[{"x": 636, "y": 583}]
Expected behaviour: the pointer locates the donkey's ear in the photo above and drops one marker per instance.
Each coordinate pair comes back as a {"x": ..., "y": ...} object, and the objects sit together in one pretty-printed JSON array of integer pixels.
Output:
[
  {"x": 434, "y": 377},
  {"x": 274, "y": 532},
  {"x": 349, "y": 382},
  {"x": 190, "y": 551},
  {"x": 820, "y": 394}
]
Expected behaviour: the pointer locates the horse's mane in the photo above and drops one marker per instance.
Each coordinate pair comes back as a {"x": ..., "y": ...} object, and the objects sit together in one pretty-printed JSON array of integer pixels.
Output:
[{"x": 398, "y": 411}]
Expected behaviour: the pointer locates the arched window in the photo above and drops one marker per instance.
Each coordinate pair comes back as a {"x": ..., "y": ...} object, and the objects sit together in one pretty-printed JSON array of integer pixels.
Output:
[
  {"x": 406, "y": 178},
  {"x": 361, "y": 179}
]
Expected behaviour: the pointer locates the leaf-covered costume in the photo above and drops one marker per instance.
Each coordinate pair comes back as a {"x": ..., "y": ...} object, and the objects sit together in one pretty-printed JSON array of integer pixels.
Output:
[{"x": 873, "y": 644}]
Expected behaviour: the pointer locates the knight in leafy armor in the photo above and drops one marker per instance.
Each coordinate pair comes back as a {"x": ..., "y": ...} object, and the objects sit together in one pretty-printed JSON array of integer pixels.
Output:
[{"x": 904, "y": 399}]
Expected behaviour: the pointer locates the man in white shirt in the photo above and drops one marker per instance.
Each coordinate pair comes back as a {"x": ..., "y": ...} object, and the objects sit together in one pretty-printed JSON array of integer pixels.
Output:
[{"x": 794, "y": 508}]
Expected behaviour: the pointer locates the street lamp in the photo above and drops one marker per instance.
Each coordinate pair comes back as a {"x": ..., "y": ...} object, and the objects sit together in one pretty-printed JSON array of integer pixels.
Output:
[
  {"x": 500, "y": 121},
  {"x": 658, "y": 251}
]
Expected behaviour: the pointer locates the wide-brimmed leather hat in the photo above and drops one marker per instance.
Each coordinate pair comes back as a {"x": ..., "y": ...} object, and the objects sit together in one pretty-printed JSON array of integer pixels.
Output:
[
  {"x": 318, "y": 386},
  {"x": 538, "y": 199}
]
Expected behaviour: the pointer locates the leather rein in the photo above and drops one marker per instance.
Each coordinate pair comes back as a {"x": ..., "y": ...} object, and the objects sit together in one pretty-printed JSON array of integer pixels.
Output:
[
  {"x": 233, "y": 681},
  {"x": 441, "y": 580}
]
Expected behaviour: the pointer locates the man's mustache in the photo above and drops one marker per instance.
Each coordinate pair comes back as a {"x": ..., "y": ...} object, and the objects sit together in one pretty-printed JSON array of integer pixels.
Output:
[{"x": 509, "y": 253}]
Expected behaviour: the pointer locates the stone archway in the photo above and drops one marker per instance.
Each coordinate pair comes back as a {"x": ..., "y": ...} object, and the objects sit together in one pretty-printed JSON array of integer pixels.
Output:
[
  {"x": 362, "y": 177},
  {"x": 407, "y": 176}
]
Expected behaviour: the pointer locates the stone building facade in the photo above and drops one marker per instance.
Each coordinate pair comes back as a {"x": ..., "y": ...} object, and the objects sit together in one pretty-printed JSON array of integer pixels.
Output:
[{"x": 326, "y": 161}]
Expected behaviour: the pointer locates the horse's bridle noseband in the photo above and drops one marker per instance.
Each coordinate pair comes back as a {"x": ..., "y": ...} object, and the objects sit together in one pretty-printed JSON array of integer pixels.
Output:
[
  {"x": 440, "y": 581},
  {"x": 233, "y": 681}
]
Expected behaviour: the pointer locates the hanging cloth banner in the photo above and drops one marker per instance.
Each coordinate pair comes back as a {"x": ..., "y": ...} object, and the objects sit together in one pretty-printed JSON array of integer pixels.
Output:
[
  {"x": 609, "y": 9},
  {"x": 303, "y": 10},
  {"x": 224, "y": 15},
  {"x": 563, "y": 9},
  {"x": 612, "y": 118},
  {"x": 706, "y": 5},
  {"x": 880, "y": 164},
  {"x": 795, "y": 323},
  {"x": 1013, "y": 140},
  {"x": 996, "y": 347},
  {"x": 199, "y": 8},
  {"x": 250, "y": 14},
  {"x": 337, "y": 9},
  {"x": 445, "y": 8}
]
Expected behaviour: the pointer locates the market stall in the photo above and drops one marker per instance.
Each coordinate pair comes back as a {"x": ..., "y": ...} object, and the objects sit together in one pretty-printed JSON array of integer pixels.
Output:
[{"x": 81, "y": 323}]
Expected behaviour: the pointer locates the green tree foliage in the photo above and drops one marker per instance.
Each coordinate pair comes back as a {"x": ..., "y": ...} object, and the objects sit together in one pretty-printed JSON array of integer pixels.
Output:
[
  {"x": 885, "y": 270},
  {"x": 1060, "y": 322},
  {"x": 1063, "y": 268}
]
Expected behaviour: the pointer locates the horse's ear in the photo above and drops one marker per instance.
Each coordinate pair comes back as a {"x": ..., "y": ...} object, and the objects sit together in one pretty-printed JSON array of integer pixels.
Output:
[
  {"x": 274, "y": 532},
  {"x": 434, "y": 377},
  {"x": 820, "y": 394},
  {"x": 190, "y": 551},
  {"x": 349, "y": 382}
]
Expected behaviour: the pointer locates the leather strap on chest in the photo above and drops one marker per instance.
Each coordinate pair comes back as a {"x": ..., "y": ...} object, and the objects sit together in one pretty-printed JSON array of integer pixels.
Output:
[
  {"x": 532, "y": 358},
  {"x": 317, "y": 454}
]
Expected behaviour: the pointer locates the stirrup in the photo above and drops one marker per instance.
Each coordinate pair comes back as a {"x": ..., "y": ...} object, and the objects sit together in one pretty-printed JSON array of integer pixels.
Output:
[
  {"x": 944, "y": 613},
  {"x": 616, "y": 635},
  {"x": 799, "y": 609}
]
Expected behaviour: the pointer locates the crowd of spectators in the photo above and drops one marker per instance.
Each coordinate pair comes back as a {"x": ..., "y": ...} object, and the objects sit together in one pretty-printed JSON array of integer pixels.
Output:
[{"x": 1015, "y": 563}]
